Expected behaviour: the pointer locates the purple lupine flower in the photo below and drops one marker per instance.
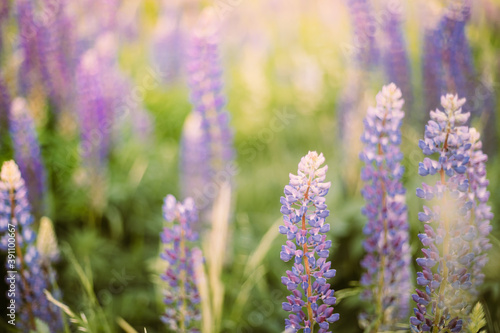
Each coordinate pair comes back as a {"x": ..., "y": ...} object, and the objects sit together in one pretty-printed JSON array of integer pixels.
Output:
[
  {"x": 94, "y": 110},
  {"x": 304, "y": 212},
  {"x": 480, "y": 212},
  {"x": 387, "y": 263},
  {"x": 168, "y": 45},
  {"x": 56, "y": 42},
  {"x": 30, "y": 280},
  {"x": 181, "y": 296},
  {"x": 395, "y": 57},
  {"x": 445, "y": 277},
  {"x": 364, "y": 25},
  {"x": 204, "y": 77},
  {"x": 447, "y": 61},
  {"x": 29, "y": 30},
  {"x": 27, "y": 153}
]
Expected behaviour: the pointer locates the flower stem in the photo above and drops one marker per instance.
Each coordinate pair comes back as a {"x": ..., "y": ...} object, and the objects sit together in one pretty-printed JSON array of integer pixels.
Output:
[
  {"x": 306, "y": 264},
  {"x": 380, "y": 287},
  {"x": 446, "y": 241},
  {"x": 19, "y": 254},
  {"x": 182, "y": 279}
]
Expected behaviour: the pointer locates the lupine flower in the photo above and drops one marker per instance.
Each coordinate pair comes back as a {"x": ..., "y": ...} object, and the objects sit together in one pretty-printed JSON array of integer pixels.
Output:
[
  {"x": 445, "y": 277},
  {"x": 304, "y": 212},
  {"x": 364, "y": 25},
  {"x": 395, "y": 57},
  {"x": 30, "y": 73},
  {"x": 56, "y": 42},
  {"x": 480, "y": 212},
  {"x": 27, "y": 153},
  {"x": 168, "y": 46},
  {"x": 448, "y": 64},
  {"x": 204, "y": 77},
  {"x": 181, "y": 296},
  {"x": 94, "y": 110},
  {"x": 387, "y": 263},
  {"x": 30, "y": 280}
]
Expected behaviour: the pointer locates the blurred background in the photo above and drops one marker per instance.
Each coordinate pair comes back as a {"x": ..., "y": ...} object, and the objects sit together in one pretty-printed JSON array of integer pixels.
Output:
[{"x": 297, "y": 76}]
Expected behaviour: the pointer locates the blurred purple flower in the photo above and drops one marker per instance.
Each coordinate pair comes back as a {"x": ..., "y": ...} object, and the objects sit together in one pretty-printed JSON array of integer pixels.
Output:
[
  {"x": 395, "y": 57},
  {"x": 27, "y": 153},
  {"x": 93, "y": 110},
  {"x": 387, "y": 263},
  {"x": 56, "y": 41},
  {"x": 181, "y": 296},
  {"x": 168, "y": 45},
  {"x": 30, "y": 74},
  {"x": 308, "y": 247},
  {"x": 364, "y": 24},
  {"x": 30, "y": 279},
  {"x": 445, "y": 277},
  {"x": 205, "y": 82}
]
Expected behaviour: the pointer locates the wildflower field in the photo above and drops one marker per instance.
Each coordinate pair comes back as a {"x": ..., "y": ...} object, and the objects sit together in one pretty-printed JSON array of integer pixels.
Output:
[{"x": 249, "y": 166}]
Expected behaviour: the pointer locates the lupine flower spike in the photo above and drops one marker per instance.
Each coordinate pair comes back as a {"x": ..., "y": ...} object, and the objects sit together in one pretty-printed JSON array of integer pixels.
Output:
[
  {"x": 28, "y": 154},
  {"x": 304, "y": 212},
  {"x": 205, "y": 82},
  {"x": 387, "y": 263},
  {"x": 30, "y": 281},
  {"x": 364, "y": 25},
  {"x": 181, "y": 297},
  {"x": 445, "y": 276}
]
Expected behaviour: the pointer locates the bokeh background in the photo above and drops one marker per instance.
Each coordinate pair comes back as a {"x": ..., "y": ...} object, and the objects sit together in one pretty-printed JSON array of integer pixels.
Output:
[{"x": 298, "y": 76}]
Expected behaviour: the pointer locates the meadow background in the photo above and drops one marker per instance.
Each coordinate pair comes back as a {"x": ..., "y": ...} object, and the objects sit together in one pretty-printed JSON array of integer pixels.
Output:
[{"x": 289, "y": 73}]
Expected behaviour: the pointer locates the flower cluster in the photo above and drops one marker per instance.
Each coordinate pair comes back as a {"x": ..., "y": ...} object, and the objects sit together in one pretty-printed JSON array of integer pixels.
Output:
[
  {"x": 27, "y": 153},
  {"x": 445, "y": 277},
  {"x": 304, "y": 212},
  {"x": 204, "y": 78},
  {"x": 181, "y": 297},
  {"x": 387, "y": 262},
  {"x": 31, "y": 280}
]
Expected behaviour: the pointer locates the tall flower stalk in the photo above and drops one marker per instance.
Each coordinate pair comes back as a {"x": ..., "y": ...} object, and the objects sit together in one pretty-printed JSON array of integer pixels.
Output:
[
  {"x": 16, "y": 227},
  {"x": 442, "y": 304},
  {"x": 364, "y": 25},
  {"x": 181, "y": 296},
  {"x": 205, "y": 83},
  {"x": 387, "y": 263},
  {"x": 304, "y": 212},
  {"x": 28, "y": 154}
]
